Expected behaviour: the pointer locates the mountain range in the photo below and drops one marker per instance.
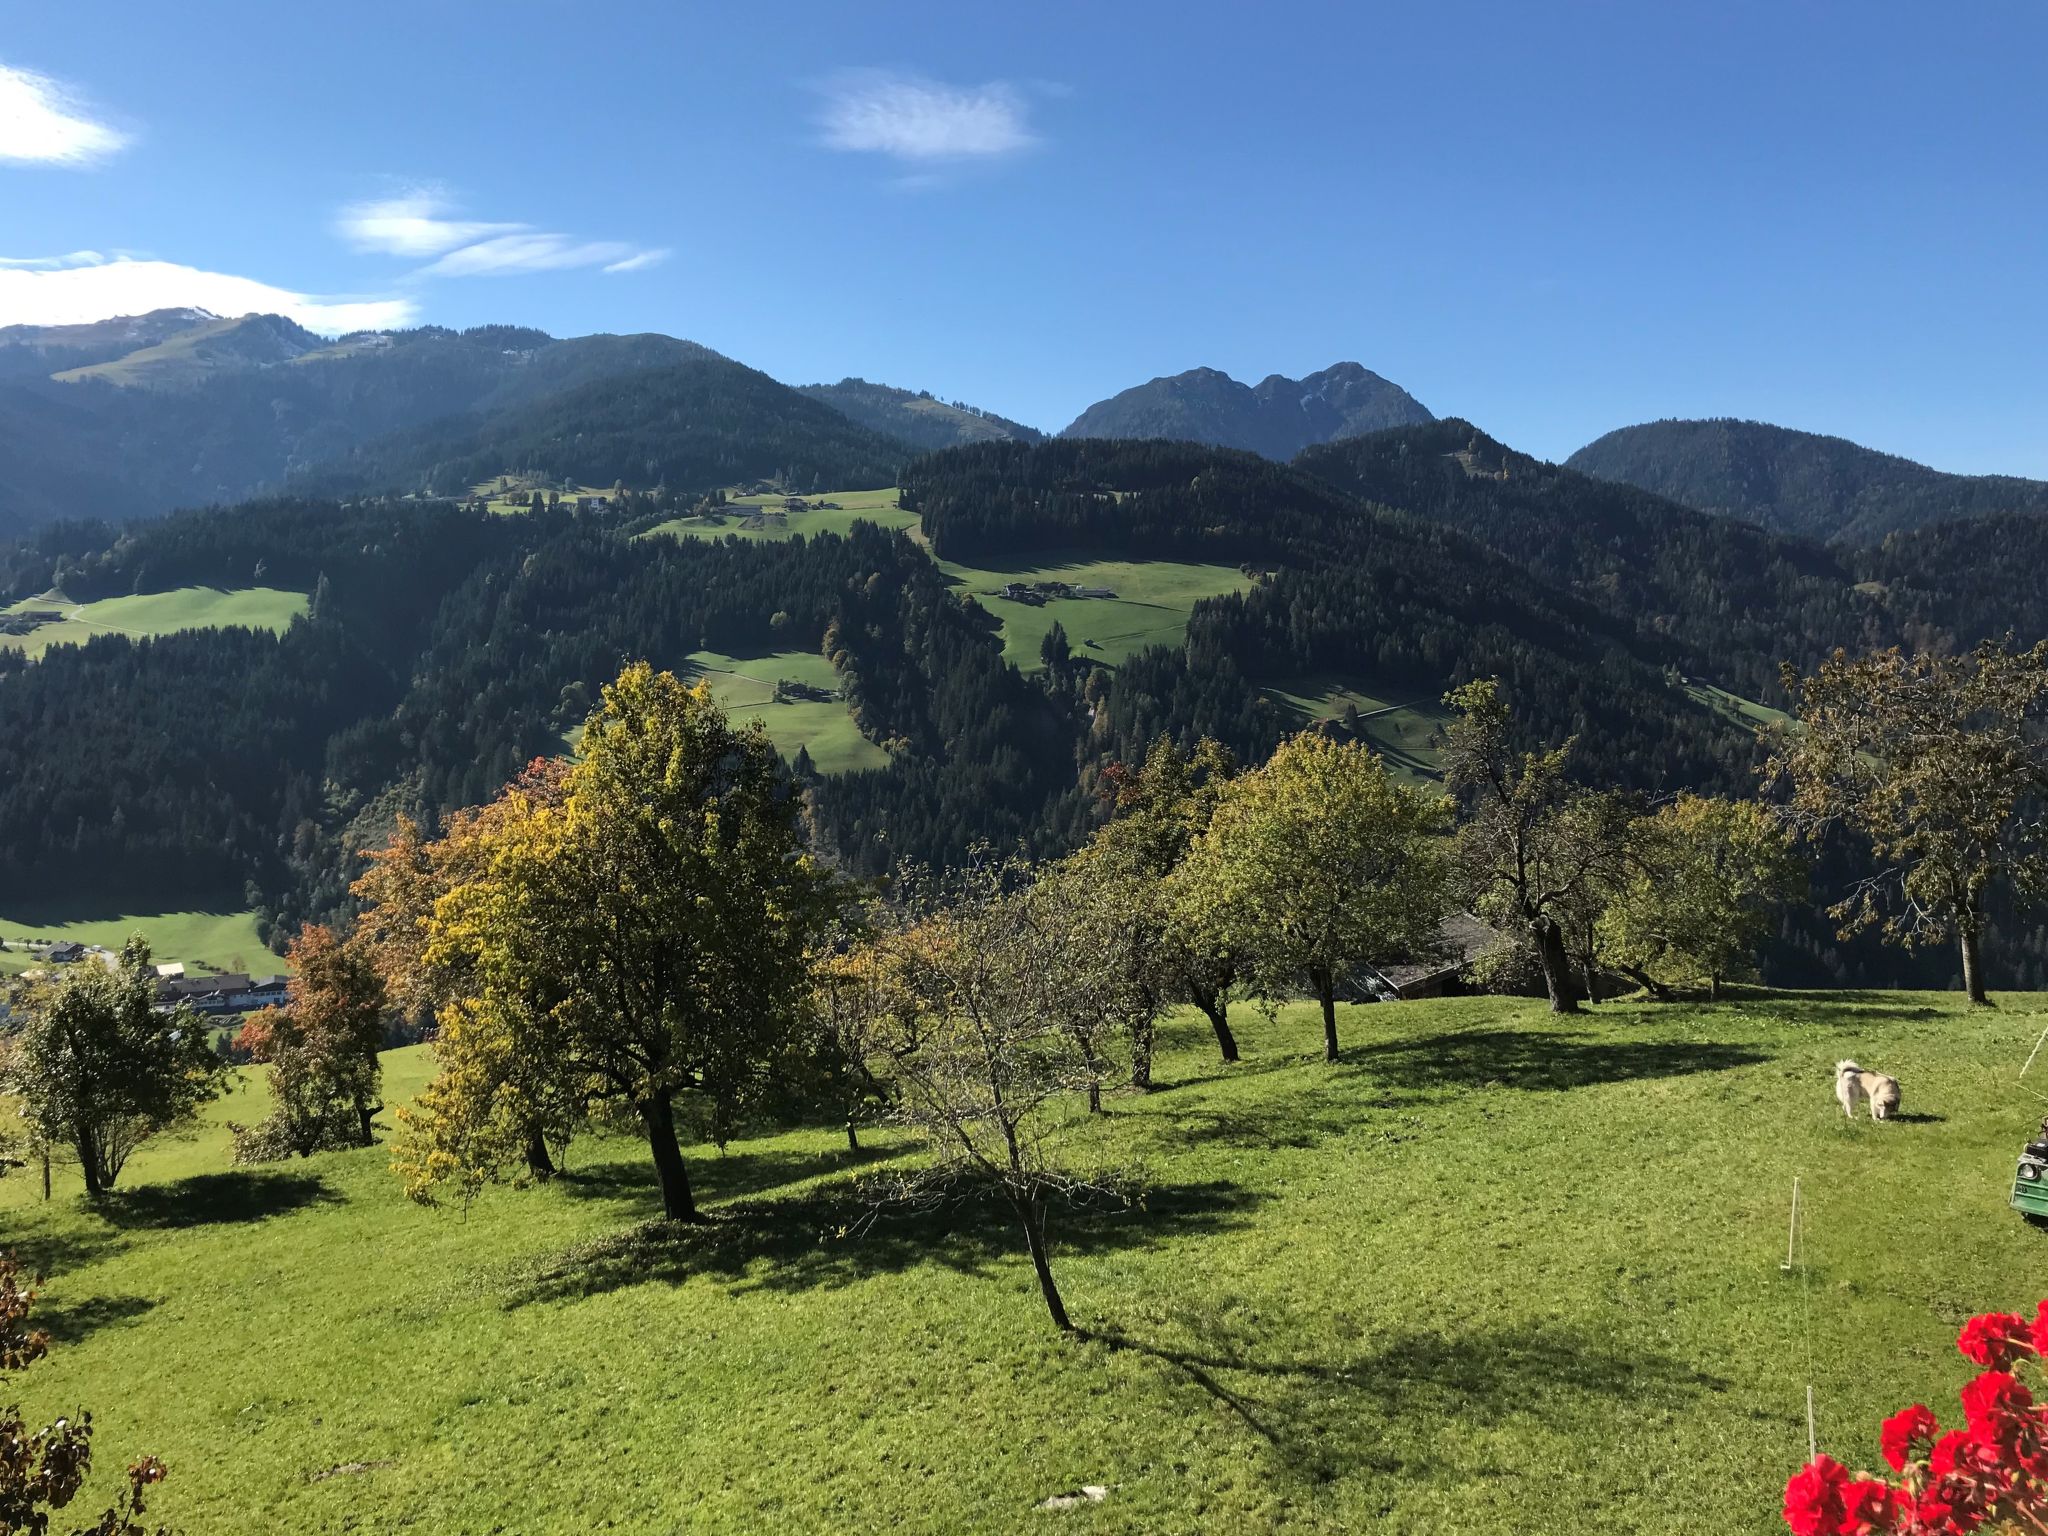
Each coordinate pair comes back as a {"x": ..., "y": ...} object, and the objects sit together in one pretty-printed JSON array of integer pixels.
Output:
[
  {"x": 1797, "y": 482},
  {"x": 129, "y": 417},
  {"x": 1276, "y": 418}
]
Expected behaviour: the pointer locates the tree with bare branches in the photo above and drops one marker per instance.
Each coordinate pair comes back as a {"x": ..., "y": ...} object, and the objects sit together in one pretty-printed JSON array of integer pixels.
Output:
[{"x": 975, "y": 1029}]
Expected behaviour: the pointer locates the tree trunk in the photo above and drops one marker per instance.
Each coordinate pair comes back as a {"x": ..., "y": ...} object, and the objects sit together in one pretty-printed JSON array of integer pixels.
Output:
[
  {"x": 852, "y": 1137},
  {"x": 365, "y": 1114},
  {"x": 46, "y": 1172},
  {"x": 1141, "y": 1058},
  {"x": 1713, "y": 989},
  {"x": 1032, "y": 1213},
  {"x": 659, "y": 1116},
  {"x": 1973, "y": 969},
  {"x": 89, "y": 1165},
  {"x": 1217, "y": 1006},
  {"x": 539, "y": 1161},
  {"x": 1557, "y": 966},
  {"x": 1095, "y": 1095},
  {"x": 1326, "y": 993}
]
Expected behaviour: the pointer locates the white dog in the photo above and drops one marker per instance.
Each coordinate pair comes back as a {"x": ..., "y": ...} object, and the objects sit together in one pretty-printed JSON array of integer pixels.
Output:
[{"x": 1853, "y": 1083}]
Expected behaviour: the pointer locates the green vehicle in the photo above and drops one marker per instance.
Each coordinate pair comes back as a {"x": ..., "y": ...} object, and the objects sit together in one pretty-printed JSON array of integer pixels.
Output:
[{"x": 2030, "y": 1182}]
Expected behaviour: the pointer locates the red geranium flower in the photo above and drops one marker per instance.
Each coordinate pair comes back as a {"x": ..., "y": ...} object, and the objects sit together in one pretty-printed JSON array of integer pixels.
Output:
[
  {"x": 1814, "y": 1498},
  {"x": 1993, "y": 1401},
  {"x": 1996, "y": 1339},
  {"x": 2038, "y": 1335},
  {"x": 1869, "y": 1506},
  {"x": 1947, "y": 1454},
  {"x": 1907, "y": 1435}
]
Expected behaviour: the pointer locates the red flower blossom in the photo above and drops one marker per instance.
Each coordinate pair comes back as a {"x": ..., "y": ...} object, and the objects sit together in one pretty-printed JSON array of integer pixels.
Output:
[
  {"x": 1907, "y": 1435},
  {"x": 1869, "y": 1506},
  {"x": 2038, "y": 1334},
  {"x": 1996, "y": 1339},
  {"x": 1814, "y": 1503},
  {"x": 1992, "y": 1404},
  {"x": 1947, "y": 1454}
]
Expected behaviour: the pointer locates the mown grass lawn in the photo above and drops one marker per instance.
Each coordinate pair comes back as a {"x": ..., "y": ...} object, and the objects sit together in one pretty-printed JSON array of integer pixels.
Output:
[{"x": 1489, "y": 1273}]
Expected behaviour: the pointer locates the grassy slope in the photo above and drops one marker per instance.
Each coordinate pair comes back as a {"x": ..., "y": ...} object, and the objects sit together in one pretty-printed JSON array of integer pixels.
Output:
[
  {"x": 158, "y": 613},
  {"x": 1487, "y": 1274},
  {"x": 745, "y": 687},
  {"x": 218, "y": 941},
  {"x": 1153, "y": 597},
  {"x": 1151, "y": 606},
  {"x": 851, "y": 507}
]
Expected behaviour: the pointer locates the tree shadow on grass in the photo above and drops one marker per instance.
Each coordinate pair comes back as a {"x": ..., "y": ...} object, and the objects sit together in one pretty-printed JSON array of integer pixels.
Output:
[
  {"x": 67, "y": 1324},
  {"x": 715, "y": 1179},
  {"x": 1323, "y": 1419},
  {"x": 1295, "y": 1123},
  {"x": 1539, "y": 1060},
  {"x": 215, "y": 1199},
  {"x": 838, "y": 1235}
]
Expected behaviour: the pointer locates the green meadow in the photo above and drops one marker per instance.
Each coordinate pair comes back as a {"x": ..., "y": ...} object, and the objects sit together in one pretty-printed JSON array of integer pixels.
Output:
[
  {"x": 1400, "y": 729},
  {"x": 1151, "y": 606},
  {"x": 208, "y": 940},
  {"x": 763, "y": 517},
  {"x": 156, "y": 613},
  {"x": 1489, "y": 1272},
  {"x": 745, "y": 689}
]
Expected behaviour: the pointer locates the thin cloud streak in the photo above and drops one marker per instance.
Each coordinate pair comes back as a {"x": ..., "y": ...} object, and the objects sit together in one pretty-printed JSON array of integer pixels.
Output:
[
  {"x": 42, "y": 122},
  {"x": 420, "y": 223},
  {"x": 911, "y": 118},
  {"x": 413, "y": 225}
]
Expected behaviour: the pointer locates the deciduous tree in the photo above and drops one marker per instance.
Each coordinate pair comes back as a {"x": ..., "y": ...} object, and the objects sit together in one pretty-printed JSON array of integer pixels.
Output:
[
  {"x": 1537, "y": 853},
  {"x": 100, "y": 1069},
  {"x": 1158, "y": 810},
  {"x": 1317, "y": 862},
  {"x": 1941, "y": 762},
  {"x": 651, "y": 934},
  {"x": 1696, "y": 900},
  {"x": 983, "y": 1062}
]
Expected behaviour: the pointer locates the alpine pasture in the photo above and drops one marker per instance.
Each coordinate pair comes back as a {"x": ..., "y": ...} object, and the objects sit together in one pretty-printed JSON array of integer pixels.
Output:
[{"x": 1490, "y": 1271}]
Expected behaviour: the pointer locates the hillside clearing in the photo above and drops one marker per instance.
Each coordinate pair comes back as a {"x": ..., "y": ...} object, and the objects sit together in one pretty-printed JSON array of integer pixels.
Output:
[
  {"x": 147, "y": 614},
  {"x": 765, "y": 517},
  {"x": 1151, "y": 607},
  {"x": 1400, "y": 729},
  {"x": 745, "y": 689},
  {"x": 201, "y": 940},
  {"x": 1490, "y": 1272}
]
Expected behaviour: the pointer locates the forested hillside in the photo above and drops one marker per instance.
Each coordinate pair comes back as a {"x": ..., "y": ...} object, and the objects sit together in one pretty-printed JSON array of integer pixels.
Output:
[
  {"x": 1797, "y": 482},
  {"x": 917, "y": 418},
  {"x": 180, "y": 408},
  {"x": 443, "y": 647},
  {"x": 691, "y": 426}
]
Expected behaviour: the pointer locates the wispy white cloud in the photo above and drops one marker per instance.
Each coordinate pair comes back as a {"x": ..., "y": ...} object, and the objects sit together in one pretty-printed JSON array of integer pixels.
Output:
[
  {"x": 414, "y": 224},
  {"x": 85, "y": 286},
  {"x": 639, "y": 261},
  {"x": 527, "y": 253},
  {"x": 911, "y": 118},
  {"x": 42, "y": 122},
  {"x": 422, "y": 222}
]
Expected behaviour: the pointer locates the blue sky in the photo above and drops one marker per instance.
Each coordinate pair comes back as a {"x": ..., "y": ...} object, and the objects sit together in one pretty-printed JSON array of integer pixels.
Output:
[{"x": 1551, "y": 219}]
